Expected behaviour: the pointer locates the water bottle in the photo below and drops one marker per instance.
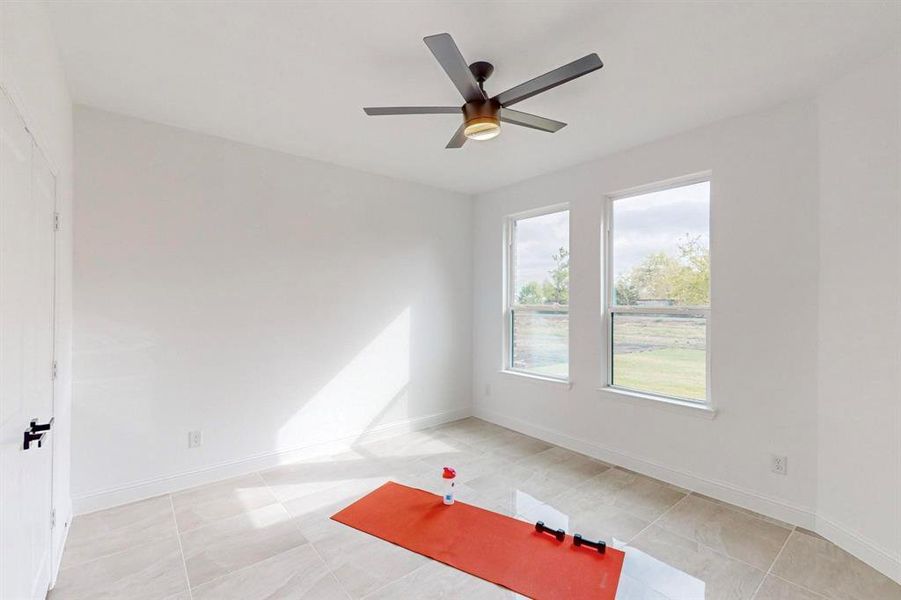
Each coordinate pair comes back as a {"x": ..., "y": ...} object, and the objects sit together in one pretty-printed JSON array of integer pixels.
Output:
[{"x": 449, "y": 477}]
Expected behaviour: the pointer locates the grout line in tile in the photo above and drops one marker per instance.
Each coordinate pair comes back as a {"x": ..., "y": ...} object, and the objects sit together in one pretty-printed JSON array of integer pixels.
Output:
[
  {"x": 213, "y": 522},
  {"x": 654, "y": 522},
  {"x": 773, "y": 564},
  {"x": 181, "y": 550},
  {"x": 817, "y": 594},
  {"x": 710, "y": 548},
  {"x": 401, "y": 578},
  {"x": 316, "y": 550},
  {"x": 117, "y": 552},
  {"x": 716, "y": 550},
  {"x": 331, "y": 572},
  {"x": 310, "y": 542},
  {"x": 245, "y": 567},
  {"x": 251, "y": 565},
  {"x": 745, "y": 511}
]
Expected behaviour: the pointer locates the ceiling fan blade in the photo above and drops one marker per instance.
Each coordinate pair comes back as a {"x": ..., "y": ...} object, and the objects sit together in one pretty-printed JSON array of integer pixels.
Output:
[
  {"x": 549, "y": 80},
  {"x": 448, "y": 55},
  {"x": 459, "y": 138},
  {"x": 412, "y": 110},
  {"x": 508, "y": 115}
]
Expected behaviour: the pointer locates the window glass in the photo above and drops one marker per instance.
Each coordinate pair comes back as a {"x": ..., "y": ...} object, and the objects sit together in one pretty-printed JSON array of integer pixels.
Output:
[
  {"x": 661, "y": 247},
  {"x": 660, "y": 297},
  {"x": 539, "y": 303},
  {"x": 661, "y": 354}
]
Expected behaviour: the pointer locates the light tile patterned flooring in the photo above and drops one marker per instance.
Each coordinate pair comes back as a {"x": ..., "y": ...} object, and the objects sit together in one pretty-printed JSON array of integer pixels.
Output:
[{"x": 268, "y": 535}]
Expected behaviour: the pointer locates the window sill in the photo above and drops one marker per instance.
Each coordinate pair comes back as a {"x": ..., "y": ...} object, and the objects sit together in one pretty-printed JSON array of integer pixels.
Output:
[
  {"x": 670, "y": 404},
  {"x": 538, "y": 378}
]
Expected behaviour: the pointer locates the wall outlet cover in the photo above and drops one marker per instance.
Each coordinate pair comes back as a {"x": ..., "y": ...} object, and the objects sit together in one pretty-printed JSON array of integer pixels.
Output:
[
  {"x": 195, "y": 439},
  {"x": 779, "y": 464}
]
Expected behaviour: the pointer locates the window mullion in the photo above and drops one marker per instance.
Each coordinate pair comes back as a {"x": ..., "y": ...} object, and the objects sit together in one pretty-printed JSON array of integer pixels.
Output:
[{"x": 661, "y": 310}]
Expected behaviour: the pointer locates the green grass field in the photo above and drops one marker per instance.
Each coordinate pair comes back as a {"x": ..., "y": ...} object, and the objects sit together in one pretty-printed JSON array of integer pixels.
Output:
[
  {"x": 652, "y": 353},
  {"x": 679, "y": 372},
  {"x": 662, "y": 355}
]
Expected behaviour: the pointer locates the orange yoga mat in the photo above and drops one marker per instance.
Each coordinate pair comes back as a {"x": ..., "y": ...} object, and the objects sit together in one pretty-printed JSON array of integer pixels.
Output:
[{"x": 486, "y": 544}]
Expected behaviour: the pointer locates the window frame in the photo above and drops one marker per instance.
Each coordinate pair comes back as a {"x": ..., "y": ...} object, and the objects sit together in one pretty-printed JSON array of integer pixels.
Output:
[
  {"x": 510, "y": 291},
  {"x": 610, "y": 308}
]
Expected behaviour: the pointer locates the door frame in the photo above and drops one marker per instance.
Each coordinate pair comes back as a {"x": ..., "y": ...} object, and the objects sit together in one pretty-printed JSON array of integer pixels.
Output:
[{"x": 54, "y": 366}]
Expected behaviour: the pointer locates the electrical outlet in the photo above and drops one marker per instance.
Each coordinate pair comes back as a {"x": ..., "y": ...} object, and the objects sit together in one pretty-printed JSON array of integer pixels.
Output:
[
  {"x": 195, "y": 439},
  {"x": 779, "y": 464},
  {"x": 487, "y": 389}
]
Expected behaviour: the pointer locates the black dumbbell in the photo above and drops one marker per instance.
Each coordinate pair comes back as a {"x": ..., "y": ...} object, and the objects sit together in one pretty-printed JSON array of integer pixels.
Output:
[
  {"x": 599, "y": 545},
  {"x": 540, "y": 527}
]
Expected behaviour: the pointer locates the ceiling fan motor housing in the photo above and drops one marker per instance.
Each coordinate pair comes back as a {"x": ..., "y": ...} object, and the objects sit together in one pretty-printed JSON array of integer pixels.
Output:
[
  {"x": 480, "y": 119},
  {"x": 481, "y": 110}
]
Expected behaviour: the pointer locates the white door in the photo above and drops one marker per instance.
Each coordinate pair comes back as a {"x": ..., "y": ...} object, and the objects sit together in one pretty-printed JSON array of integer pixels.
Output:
[{"x": 27, "y": 204}]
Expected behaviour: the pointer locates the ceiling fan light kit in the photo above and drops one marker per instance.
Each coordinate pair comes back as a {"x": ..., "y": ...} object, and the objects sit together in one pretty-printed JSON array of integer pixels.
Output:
[
  {"x": 482, "y": 115},
  {"x": 480, "y": 120}
]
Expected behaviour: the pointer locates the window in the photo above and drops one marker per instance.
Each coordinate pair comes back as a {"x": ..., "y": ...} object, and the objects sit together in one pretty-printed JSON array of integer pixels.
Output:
[
  {"x": 658, "y": 291},
  {"x": 538, "y": 294}
]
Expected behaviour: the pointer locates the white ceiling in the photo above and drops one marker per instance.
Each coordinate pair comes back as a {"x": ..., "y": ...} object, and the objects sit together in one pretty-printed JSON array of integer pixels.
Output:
[{"x": 293, "y": 76}]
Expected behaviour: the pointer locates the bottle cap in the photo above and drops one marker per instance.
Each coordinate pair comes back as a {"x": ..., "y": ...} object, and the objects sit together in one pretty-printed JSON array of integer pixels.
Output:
[{"x": 449, "y": 473}]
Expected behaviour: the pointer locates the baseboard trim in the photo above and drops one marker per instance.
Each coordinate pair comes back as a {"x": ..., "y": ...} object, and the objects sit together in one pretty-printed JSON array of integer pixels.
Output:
[
  {"x": 870, "y": 553},
  {"x": 140, "y": 490},
  {"x": 727, "y": 492},
  {"x": 863, "y": 549}
]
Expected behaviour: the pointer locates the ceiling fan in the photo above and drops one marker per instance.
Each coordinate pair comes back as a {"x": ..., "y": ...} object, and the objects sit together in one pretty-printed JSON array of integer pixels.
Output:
[{"x": 482, "y": 115}]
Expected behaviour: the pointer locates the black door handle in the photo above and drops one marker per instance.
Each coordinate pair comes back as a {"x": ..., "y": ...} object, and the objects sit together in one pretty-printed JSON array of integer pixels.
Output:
[
  {"x": 36, "y": 427},
  {"x": 30, "y": 438},
  {"x": 36, "y": 432}
]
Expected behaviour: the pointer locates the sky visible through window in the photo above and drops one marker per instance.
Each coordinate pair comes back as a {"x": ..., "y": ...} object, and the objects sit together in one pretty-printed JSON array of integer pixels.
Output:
[
  {"x": 656, "y": 222},
  {"x": 537, "y": 239}
]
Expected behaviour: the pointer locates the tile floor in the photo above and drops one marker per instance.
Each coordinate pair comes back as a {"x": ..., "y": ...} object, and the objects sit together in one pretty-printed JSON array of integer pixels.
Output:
[{"x": 268, "y": 534}]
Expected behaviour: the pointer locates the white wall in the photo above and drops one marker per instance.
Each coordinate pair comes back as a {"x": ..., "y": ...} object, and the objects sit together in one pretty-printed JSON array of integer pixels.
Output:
[
  {"x": 763, "y": 321},
  {"x": 806, "y": 315},
  {"x": 271, "y": 301},
  {"x": 31, "y": 74},
  {"x": 859, "y": 492}
]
